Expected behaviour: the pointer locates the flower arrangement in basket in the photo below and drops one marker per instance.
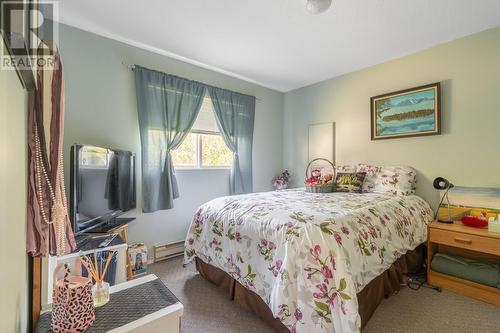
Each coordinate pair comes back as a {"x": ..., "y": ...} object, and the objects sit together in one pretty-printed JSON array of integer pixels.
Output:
[
  {"x": 280, "y": 182},
  {"x": 318, "y": 181}
]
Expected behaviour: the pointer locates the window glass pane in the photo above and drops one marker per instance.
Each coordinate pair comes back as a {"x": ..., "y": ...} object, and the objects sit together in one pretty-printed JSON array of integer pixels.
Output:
[
  {"x": 206, "y": 118},
  {"x": 214, "y": 152},
  {"x": 93, "y": 157},
  {"x": 185, "y": 154}
]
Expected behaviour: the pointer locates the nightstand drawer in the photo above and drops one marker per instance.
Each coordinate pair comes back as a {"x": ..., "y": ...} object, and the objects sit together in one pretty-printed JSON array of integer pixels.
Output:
[{"x": 465, "y": 241}]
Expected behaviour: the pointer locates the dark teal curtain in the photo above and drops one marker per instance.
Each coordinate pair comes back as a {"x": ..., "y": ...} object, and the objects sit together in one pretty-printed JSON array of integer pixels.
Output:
[
  {"x": 235, "y": 115},
  {"x": 167, "y": 106}
]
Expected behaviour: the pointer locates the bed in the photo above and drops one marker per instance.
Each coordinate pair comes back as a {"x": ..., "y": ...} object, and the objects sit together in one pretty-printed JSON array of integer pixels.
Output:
[{"x": 303, "y": 261}]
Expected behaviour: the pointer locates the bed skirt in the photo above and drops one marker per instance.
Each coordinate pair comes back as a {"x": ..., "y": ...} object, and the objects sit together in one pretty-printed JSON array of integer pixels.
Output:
[{"x": 383, "y": 286}]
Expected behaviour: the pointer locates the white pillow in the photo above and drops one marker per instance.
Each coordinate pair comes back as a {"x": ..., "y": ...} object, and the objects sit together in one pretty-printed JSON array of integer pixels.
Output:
[
  {"x": 345, "y": 168},
  {"x": 397, "y": 180}
]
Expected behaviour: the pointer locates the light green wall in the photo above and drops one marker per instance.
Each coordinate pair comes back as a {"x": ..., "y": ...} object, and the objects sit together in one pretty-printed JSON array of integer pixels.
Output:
[
  {"x": 101, "y": 110},
  {"x": 467, "y": 152},
  {"x": 13, "y": 164}
]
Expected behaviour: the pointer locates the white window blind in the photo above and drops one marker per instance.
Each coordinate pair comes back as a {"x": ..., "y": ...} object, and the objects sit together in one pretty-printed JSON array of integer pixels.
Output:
[{"x": 206, "y": 118}]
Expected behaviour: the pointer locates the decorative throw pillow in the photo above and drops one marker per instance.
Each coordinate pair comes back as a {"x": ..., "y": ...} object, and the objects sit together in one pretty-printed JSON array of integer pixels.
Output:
[{"x": 349, "y": 182}]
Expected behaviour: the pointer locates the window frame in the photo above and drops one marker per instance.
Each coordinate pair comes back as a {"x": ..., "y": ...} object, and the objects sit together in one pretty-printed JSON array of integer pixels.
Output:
[{"x": 199, "y": 148}]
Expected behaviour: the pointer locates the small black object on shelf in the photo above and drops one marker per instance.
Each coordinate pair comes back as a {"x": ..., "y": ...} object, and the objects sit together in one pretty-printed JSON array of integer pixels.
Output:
[{"x": 441, "y": 184}]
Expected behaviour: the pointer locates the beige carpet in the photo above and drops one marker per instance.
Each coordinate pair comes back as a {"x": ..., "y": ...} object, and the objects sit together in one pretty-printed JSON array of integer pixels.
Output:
[{"x": 207, "y": 309}]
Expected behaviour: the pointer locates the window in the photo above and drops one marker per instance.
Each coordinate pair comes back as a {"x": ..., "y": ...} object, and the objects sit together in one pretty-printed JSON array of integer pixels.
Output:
[
  {"x": 204, "y": 146},
  {"x": 94, "y": 157}
]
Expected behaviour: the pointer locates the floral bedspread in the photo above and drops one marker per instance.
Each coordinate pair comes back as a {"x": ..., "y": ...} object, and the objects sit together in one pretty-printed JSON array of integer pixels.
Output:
[{"x": 307, "y": 255}]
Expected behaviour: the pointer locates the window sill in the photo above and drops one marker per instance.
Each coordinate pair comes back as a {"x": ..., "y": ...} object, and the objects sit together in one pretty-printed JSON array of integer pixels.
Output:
[{"x": 202, "y": 169}]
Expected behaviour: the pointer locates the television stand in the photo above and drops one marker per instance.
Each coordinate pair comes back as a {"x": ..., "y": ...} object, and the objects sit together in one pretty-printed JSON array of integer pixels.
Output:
[
  {"x": 91, "y": 247},
  {"x": 118, "y": 226},
  {"x": 111, "y": 225},
  {"x": 94, "y": 241},
  {"x": 82, "y": 240}
]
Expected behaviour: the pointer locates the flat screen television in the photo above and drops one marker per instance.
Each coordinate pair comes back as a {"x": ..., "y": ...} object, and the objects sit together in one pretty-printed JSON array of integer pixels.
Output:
[{"x": 102, "y": 186}]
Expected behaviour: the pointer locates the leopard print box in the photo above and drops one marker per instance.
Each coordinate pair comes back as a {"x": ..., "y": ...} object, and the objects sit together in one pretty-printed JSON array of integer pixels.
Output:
[{"x": 73, "y": 305}]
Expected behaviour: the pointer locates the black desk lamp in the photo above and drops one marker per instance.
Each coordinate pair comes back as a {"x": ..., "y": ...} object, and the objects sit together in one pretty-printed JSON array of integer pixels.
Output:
[{"x": 441, "y": 183}]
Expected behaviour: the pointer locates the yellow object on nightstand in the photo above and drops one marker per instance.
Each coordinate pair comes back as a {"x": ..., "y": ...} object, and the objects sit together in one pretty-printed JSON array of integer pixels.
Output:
[{"x": 456, "y": 213}]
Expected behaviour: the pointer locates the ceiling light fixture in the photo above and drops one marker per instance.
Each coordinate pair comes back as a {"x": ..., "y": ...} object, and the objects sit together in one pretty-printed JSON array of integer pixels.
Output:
[{"x": 318, "y": 6}]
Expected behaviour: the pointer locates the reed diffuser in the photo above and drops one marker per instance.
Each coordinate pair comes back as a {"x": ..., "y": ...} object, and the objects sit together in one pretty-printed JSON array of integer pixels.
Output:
[{"x": 97, "y": 269}]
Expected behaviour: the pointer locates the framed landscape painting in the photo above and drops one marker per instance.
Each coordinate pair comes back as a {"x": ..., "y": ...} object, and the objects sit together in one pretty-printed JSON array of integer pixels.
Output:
[{"x": 406, "y": 113}]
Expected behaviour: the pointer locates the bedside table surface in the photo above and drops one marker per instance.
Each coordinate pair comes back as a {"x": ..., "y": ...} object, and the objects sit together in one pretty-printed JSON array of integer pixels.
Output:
[{"x": 457, "y": 226}]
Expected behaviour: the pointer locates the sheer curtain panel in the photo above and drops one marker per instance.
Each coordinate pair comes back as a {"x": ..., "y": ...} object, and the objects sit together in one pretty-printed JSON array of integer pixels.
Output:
[
  {"x": 235, "y": 115},
  {"x": 167, "y": 106}
]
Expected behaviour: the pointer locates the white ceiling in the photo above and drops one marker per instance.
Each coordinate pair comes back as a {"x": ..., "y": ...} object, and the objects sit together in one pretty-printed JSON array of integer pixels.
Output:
[{"x": 277, "y": 43}]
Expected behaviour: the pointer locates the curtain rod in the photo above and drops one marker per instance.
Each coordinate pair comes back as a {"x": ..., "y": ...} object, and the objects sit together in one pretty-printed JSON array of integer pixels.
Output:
[{"x": 131, "y": 67}]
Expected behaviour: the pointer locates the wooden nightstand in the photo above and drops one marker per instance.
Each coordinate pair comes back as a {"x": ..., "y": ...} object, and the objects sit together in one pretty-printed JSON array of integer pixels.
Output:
[{"x": 457, "y": 239}]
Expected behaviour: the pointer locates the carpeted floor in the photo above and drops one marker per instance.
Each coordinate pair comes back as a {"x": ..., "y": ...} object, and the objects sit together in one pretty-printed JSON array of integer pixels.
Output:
[{"x": 207, "y": 309}]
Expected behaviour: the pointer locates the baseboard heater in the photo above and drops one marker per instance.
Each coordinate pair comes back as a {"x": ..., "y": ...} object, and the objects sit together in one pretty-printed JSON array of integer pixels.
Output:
[{"x": 166, "y": 251}]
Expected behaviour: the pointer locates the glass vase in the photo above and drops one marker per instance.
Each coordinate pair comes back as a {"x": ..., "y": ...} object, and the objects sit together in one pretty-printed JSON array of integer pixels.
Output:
[{"x": 100, "y": 294}]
